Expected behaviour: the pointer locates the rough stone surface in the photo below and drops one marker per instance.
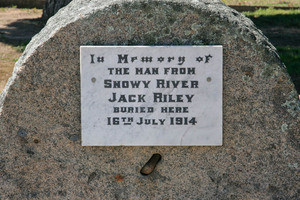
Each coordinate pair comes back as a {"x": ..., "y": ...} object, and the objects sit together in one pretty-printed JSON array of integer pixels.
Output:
[
  {"x": 52, "y": 6},
  {"x": 41, "y": 154}
]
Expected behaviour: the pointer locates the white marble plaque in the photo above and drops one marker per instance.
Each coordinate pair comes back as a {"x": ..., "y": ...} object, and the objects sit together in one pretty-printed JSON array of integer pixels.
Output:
[{"x": 151, "y": 95}]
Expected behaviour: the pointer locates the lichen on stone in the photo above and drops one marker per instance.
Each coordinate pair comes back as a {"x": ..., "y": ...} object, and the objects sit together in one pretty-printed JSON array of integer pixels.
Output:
[
  {"x": 270, "y": 70},
  {"x": 292, "y": 104},
  {"x": 284, "y": 127}
]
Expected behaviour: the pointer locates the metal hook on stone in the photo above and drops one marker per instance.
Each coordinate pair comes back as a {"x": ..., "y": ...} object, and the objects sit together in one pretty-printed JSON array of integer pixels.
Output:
[{"x": 151, "y": 164}]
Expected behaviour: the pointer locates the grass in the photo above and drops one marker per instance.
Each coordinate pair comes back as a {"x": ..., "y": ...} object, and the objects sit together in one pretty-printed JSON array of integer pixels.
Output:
[
  {"x": 283, "y": 3},
  {"x": 271, "y": 12},
  {"x": 278, "y": 17},
  {"x": 31, "y": 10},
  {"x": 291, "y": 58},
  {"x": 21, "y": 46},
  {"x": 5, "y": 8},
  {"x": 8, "y": 57}
]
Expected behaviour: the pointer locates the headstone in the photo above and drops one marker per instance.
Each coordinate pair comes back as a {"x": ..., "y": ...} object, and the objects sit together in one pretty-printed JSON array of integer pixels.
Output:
[{"x": 40, "y": 111}]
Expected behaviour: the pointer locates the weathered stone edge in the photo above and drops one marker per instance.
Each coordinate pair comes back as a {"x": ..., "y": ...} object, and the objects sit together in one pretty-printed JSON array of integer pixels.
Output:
[{"x": 80, "y": 9}]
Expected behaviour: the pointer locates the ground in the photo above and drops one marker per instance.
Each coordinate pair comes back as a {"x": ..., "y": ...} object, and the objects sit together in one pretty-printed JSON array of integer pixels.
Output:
[
  {"x": 281, "y": 36},
  {"x": 17, "y": 26}
]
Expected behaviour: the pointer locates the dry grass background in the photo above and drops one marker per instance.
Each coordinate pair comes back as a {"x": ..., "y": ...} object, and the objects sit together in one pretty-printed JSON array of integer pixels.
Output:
[
  {"x": 17, "y": 26},
  {"x": 288, "y": 3}
]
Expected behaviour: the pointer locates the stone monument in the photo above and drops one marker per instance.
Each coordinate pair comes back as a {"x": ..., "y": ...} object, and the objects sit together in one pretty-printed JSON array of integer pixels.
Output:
[{"x": 41, "y": 151}]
